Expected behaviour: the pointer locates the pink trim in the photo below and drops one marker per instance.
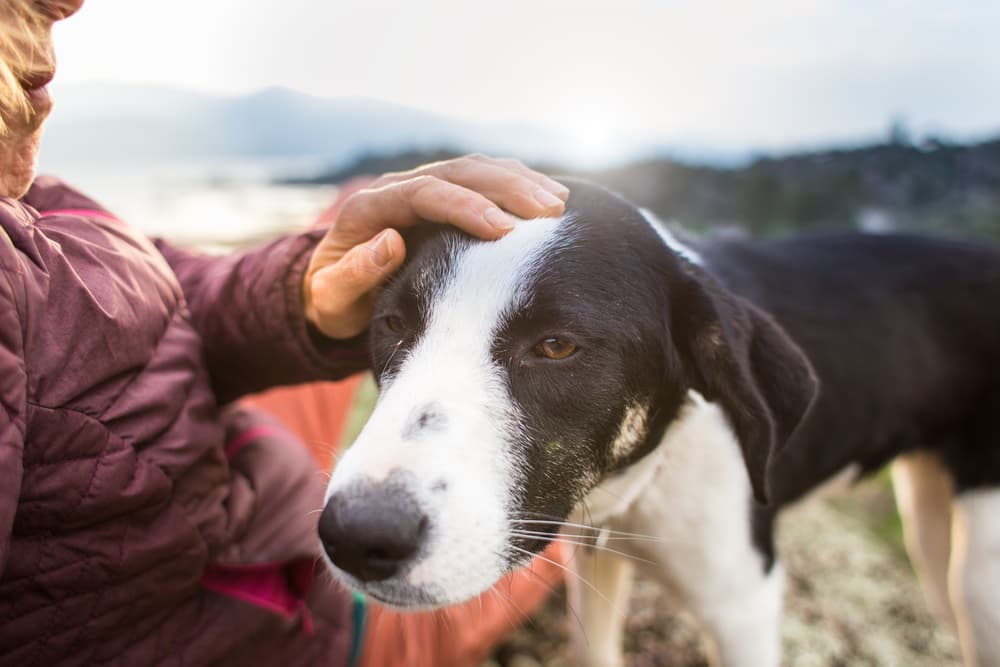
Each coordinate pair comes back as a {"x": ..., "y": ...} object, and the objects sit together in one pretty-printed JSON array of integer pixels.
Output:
[
  {"x": 84, "y": 212},
  {"x": 264, "y": 588},
  {"x": 278, "y": 587},
  {"x": 244, "y": 438}
]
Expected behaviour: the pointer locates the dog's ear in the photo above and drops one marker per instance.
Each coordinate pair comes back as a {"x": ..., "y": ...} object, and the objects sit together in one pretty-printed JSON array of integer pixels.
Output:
[{"x": 736, "y": 355}]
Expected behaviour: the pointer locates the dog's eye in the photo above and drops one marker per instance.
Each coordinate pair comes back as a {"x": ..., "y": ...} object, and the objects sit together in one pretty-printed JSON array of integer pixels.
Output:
[
  {"x": 555, "y": 348},
  {"x": 395, "y": 324}
]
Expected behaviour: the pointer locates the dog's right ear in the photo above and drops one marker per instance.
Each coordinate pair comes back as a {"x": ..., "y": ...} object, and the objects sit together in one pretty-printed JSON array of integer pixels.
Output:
[{"x": 736, "y": 355}]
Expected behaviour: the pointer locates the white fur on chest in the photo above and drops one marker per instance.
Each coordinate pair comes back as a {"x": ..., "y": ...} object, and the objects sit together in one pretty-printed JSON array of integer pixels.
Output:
[{"x": 684, "y": 511}]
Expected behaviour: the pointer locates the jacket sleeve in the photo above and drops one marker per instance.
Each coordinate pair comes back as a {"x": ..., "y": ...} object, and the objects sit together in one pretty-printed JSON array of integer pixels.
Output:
[
  {"x": 12, "y": 399},
  {"x": 247, "y": 308}
]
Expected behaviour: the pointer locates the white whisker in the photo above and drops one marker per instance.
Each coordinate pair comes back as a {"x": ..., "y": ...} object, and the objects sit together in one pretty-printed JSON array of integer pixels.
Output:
[
  {"x": 565, "y": 569},
  {"x": 570, "y": 524},
  {"x": 592, "y": 545}
]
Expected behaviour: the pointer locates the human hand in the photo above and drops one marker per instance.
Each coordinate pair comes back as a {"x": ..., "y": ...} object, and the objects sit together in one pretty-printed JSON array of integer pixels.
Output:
[{"x": 362, "y": 248}]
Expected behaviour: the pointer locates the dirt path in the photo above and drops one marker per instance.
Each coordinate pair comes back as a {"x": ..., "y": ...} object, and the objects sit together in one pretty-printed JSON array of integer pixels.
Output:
[{"x": 851, "y": 599}]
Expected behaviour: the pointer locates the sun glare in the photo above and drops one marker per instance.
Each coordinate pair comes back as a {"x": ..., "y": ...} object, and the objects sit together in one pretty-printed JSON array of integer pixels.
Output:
[{"x": 594, "y": 136}]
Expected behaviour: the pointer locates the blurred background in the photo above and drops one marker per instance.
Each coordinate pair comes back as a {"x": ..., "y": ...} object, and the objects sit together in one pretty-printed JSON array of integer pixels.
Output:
[
  {"x": 221, "y": 123},
  {"x": 218, "y": 119}
]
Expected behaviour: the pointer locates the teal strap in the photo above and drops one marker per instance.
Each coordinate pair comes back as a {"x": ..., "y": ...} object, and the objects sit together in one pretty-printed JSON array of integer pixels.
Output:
[{"x": 360, "y": 608}]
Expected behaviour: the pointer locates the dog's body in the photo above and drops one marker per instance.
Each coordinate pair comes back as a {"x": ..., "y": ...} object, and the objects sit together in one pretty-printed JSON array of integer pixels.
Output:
[
  {"x": 677, "y": 396},
  {"x": 904, "y": 347}
]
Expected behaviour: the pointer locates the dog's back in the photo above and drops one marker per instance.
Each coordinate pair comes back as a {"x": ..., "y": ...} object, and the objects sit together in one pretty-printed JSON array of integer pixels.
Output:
[{"x": 903, "y": 332}]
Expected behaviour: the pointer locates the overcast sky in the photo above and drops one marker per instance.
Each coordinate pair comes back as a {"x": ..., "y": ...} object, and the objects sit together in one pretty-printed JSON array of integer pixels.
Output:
[{"x": 767, "y": 73}]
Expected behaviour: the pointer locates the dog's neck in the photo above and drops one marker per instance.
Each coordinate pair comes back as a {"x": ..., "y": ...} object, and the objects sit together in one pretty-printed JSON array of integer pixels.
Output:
[{"x": 700, "y": 436}]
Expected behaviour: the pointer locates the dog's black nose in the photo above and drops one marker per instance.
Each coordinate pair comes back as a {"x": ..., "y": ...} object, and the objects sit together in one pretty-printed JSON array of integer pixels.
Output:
[{"x": 372, "y": 530}]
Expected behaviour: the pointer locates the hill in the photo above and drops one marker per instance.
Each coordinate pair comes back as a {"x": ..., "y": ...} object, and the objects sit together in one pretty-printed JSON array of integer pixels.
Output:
[
  {"x": 115, "y": 123},
  {"x": 935, "y": 185}
]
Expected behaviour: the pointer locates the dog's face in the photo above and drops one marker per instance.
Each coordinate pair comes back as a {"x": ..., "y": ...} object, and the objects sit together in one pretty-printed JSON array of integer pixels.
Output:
[{"x": 515, "y": 375}]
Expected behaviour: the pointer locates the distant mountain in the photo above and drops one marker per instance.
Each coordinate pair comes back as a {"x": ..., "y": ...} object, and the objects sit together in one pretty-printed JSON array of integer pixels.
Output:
[{"x": 118, "y": 122}]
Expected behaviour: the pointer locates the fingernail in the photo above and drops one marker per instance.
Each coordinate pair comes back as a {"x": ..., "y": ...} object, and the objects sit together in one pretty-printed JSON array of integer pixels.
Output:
[
  {"x": 382, "y": 251},
  {"x": 547, "y": 199},
  {"x": 558, "y": 189},
  {"x": 498, "y": 219}
]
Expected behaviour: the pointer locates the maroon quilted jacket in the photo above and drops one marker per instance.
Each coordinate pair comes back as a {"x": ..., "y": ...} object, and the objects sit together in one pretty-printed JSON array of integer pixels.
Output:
[{"x": 119, "y": 509}]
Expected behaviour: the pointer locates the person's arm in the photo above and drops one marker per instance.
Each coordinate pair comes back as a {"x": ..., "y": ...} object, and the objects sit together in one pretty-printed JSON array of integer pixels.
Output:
[
  {"x": 12, "y": 399},
  {"x": 247, "y": 308}
]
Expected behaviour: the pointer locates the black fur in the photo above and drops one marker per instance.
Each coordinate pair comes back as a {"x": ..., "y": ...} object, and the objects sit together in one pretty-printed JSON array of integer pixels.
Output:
[{"x": 904, "y": 334}]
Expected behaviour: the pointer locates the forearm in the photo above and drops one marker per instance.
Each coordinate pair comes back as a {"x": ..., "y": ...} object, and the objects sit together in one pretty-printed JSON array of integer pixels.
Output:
[{"x": 247, "y": 308}]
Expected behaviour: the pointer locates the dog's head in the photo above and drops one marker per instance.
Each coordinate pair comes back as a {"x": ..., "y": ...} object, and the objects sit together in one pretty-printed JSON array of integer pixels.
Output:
[{"x": 517, "y": 374}]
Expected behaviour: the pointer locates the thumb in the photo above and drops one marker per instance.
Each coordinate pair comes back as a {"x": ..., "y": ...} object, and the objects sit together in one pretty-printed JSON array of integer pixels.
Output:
[{"x": 340, "y": 294}]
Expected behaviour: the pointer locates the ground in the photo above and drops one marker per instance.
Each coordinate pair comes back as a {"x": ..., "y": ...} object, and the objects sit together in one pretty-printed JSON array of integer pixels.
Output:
[{"x": 851, "y": 599}]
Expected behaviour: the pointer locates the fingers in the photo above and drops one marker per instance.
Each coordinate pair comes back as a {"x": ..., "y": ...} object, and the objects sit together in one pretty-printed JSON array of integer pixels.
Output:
[
  {"x": 509, "y": 187},
  {"x": 550, "y": 184},
  {"x": 338, "y": 296},
  {"x": 408, "y": 202},
  {"x": 508, "y": 183}
]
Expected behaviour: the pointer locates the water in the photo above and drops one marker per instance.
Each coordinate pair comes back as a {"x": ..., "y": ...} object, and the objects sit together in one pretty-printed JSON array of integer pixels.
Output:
[{"x": 210, "y": 204}]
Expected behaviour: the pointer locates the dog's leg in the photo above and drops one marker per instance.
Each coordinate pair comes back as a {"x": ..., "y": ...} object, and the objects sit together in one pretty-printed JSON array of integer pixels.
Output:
[
  {"x": 742, "y": 617},
  {"x": 924, "y": 492},
  {"x": 709, "y": 561},
  {"x": 974, "y": 576},
  {"x": 598, "y": 591}
]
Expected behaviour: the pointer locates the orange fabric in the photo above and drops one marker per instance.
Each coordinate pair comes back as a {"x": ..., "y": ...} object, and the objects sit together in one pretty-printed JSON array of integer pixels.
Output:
[
  {"x": 316, "y": 412},
  {"x": 459, "y": 636},
  {"x": 466, "y": 634}
]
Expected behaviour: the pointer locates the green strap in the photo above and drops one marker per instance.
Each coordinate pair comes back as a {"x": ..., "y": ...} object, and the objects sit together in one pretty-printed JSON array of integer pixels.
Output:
[{"x": 360, "y": 614}]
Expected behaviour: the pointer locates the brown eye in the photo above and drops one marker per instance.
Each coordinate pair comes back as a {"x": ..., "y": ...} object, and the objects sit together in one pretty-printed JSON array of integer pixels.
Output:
[
  {"x": 555, "y": 348},
  {"x": 395, "y": 324}
]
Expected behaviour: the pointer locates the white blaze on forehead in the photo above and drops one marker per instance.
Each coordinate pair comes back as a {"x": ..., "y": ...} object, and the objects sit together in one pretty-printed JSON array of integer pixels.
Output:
[
  {"x": 487, "y": 281},
  {"x": 669, "y": 239},
  {"x": 451, "y": 363},
  {"x": 485, "y": 284}
]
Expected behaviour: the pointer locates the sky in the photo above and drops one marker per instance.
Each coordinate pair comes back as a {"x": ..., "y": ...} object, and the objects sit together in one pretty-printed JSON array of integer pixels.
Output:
[{"x": 767, "y": 74}]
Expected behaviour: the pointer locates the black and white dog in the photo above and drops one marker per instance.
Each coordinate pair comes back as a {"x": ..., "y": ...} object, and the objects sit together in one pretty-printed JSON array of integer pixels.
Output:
[{"x": 683, "y": 394}]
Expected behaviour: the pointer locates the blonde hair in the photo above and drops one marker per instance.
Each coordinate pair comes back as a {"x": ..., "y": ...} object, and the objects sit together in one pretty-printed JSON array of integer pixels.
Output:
[{"x": 24, "y": 52}]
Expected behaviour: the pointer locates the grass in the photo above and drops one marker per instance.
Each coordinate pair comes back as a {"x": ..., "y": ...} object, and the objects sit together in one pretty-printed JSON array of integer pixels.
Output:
[
  {"x": 364, "y": 403},
  {"x": 873, "y": 502}
]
